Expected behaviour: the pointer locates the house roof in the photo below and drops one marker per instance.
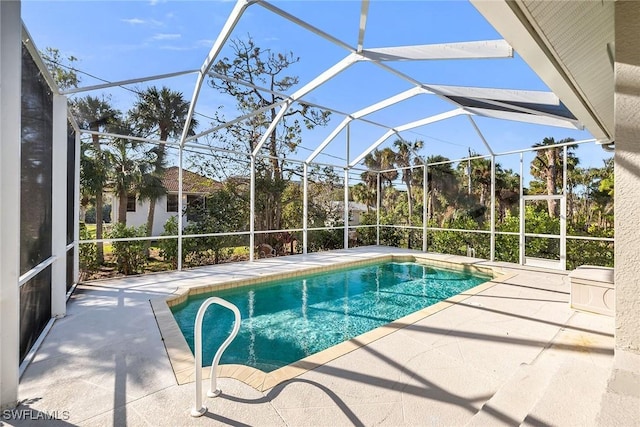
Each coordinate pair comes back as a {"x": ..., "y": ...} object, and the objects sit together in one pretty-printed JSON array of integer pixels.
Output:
[{"x": 191, "y": 182}]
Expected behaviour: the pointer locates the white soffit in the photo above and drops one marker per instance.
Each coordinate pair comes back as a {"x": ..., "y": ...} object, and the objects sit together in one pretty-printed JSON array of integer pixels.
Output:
[
  {"x": 464, "y": 50},
  {"x": 565, "y": 43}
]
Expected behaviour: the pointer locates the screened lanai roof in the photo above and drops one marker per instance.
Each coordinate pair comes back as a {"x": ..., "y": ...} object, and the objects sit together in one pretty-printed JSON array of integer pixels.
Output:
[{"x": 433, "y": 71}]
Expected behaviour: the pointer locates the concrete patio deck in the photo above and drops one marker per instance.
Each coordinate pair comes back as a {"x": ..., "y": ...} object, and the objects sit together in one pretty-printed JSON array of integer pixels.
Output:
[{"x": 512, "y": 354}]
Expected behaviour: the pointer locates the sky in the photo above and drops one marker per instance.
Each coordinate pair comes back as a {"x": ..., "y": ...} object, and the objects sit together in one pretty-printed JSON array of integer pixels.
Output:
[{"x": 118, "y": 40}]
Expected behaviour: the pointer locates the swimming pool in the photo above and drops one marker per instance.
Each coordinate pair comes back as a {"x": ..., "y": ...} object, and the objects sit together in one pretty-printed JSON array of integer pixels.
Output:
[{"x": 287, "y": 320}]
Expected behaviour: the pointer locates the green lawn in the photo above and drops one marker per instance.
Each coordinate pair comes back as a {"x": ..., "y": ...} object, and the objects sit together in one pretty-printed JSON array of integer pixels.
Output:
[
  {"x": 91, "y": 228},
  {"x": 154, "y": 263},
  {"x": 241, "y": 250}
]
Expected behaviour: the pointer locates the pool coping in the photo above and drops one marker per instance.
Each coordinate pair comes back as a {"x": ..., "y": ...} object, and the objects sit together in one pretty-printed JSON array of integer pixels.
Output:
[{"x": 182, "y": 359}]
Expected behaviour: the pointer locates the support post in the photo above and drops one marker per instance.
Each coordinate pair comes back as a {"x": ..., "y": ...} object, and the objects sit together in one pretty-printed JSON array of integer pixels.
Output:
[
  {"x": 59, "y": 208},
  {"x": 425, "y": 217},
  {"x": 378, "y": 209},
  {"x": 492, "y": 250},
  {"x": 346, "y": 192},
  {"x": 469, "y": 173},
  {"x": 563, "y": 212},
  {"x": 346, "y": 208},
  {"x": 76, "y": 210},
  {"x": 252, "y": 210},
  {"x": 10, "y": 128},
  {"x": 227, "y": 29},
  {"x": 180, "y": 207},
  {"x": 521, "y": 229},
  {"x": 305, "y": 208},
  {"x": 428, "y": 200}
]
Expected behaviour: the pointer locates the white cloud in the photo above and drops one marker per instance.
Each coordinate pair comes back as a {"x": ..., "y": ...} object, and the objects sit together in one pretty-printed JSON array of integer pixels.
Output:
[
  {"x": 140, "y": 21},
  {"x": 177, "y": 48},
  {"x": 166, "y": 36},
  {"x": 134, "y": 21}
]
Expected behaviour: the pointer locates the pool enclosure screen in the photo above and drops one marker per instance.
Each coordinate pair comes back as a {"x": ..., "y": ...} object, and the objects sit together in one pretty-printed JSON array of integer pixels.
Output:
[
  {"x": 130, "y": 176},
  {"x": 37, "y": 203}
]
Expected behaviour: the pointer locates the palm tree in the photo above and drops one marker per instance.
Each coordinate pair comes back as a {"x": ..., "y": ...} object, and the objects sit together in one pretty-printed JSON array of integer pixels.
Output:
[
  {"x": 95, "y": 114},
  {"x": 481, "y": 173},
  {"x": 547, "y": 166},
  {"x": 577, "y": 178},
  {"x": 508, "y": 194},
  {"x": 364, "y": 194},
  {"x": 126, "y": 174},
  {"x": 150, "y": 186},
  {"x": 124, "y": 167},
  {"x": 379, "y": 160},
  {"x": 603, "y": 195},
  {"x": 125, "y": 178},
  {"x": 405, "y": 157},
  {"x": 442, "y": 183},
  {"x": 475, "y": 176},
  {"x": 161, "y": 112}
]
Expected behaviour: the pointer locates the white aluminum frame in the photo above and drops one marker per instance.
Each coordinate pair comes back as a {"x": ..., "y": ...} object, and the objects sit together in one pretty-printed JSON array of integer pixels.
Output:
[
  {"x": 11, "y": 32},
  {"x": 377, "y": 56},
  {"x": 463, "y": 50},
  {"x": 561, "y": 263},
  {"x": 10, "y": 126},
  {"x": 59, "y": 208}
]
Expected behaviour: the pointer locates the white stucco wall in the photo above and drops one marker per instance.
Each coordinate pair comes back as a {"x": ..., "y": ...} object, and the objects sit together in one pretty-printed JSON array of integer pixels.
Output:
[
  {"x": 139, "y": 217},
  {"x": 627, "y": 175}
]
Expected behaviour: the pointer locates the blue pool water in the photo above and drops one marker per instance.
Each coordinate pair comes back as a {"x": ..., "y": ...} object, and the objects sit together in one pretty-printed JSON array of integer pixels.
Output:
[{"x": 284, "y": 321}]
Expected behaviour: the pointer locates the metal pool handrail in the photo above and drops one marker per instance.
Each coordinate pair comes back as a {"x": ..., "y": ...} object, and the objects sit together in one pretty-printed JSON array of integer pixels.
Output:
[{"x": 199, "y": 410}]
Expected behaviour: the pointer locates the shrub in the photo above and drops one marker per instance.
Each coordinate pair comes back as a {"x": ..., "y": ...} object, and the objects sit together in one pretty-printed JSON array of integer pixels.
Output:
[
  {"x": 87, "y": 252},
  {"x": 391, "y": 236},
  {"x": 131, "y": 257},
  {"x": 169, "y": 247},
  {"x": 325, "y": 240}
]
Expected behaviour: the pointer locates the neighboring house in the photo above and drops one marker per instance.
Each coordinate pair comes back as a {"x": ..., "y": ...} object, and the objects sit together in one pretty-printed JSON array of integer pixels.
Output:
[
  {"x": 194, "y": 189},
  {"x": 356, "y": 211}
]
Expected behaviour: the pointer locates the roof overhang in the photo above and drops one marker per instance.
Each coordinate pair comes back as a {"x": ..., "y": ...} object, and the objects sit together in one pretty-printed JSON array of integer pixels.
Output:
[{"x": 569, "y": 45}]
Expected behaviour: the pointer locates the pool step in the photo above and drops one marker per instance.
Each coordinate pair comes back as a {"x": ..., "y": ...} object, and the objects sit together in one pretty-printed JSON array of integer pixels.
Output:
[
  {"x": 512, "y": 403},
  {"x": 573, "y": 397},
  {"x": 563, "y": 385}
]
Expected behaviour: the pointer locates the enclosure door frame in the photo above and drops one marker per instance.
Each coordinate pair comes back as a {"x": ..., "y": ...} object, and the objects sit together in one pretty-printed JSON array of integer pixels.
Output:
[{"x": 560, "y": 264}]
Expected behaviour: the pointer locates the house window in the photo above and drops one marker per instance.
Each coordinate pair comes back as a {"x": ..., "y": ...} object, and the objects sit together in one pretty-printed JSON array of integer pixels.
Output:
[
  {"x": 131, "y": 203},
  {"x": 172, "y": 203}
]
